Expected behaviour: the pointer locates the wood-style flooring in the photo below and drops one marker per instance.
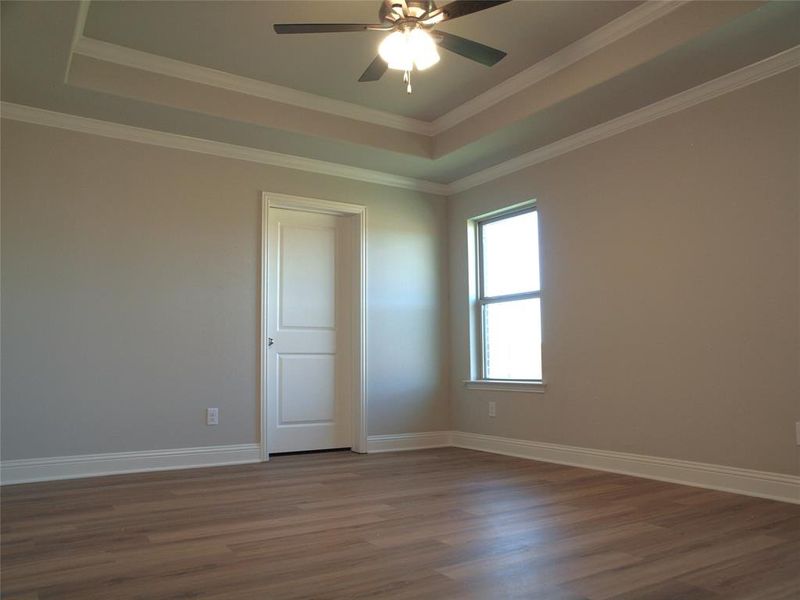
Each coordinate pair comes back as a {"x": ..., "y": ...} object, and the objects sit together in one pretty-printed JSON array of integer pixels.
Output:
[{"x": 440, "y": 524}]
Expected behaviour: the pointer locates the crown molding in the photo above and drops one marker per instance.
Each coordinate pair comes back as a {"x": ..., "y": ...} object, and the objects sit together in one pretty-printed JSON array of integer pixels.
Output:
[
  {"x": 39, "y": 116},
  {"x": 606, "y": 35},
  {"x": 774, "y": 65},
  {"x": 620, "y": 27},
  {"x": 153, "y": 63},
  {"x": 77, "y": 32}
]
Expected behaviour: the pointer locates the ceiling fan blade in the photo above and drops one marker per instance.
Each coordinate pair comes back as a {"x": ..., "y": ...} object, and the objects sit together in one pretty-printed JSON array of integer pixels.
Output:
[
  {"x": 486, "y": 55},
  {"x": 322, "y": 27},
  {"x": 375, "y": 70},
  {"x": 460, "y": 8}
]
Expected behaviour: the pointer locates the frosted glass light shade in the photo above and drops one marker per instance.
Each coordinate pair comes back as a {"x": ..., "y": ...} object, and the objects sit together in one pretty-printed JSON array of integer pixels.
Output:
[
  {"x": 403, "y": 49},
  {"x": 394, "y": 50},
  {"x": 423, "y": 49}
]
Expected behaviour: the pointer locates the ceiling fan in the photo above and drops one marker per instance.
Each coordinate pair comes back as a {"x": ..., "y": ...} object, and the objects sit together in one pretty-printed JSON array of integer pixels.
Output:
[{"x": 412, "y": 41}]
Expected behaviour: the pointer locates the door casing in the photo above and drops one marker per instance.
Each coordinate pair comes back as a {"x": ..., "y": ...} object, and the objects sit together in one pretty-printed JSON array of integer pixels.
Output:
[{"x": 358, "y": 233}]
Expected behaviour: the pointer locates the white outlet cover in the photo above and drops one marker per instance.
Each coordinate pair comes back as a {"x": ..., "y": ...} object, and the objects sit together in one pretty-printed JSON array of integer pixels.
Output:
[
  {"x": 492, "y": 408},
  {"x": 212, "y": 416}
]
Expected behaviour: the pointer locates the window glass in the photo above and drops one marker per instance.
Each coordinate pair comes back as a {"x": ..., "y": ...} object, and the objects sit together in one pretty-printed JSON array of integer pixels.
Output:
[
  {"x": 510, "y": 249},
  {"x": 513, "y": 339}
]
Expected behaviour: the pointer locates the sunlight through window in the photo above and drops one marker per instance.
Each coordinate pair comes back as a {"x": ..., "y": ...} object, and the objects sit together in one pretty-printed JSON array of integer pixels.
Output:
[{"x": 509, "y": 296}]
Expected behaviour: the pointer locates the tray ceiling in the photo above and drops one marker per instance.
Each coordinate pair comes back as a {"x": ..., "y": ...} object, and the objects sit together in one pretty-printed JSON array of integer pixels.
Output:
[
  {"x": 237, "y": 37},
  {"x": 215, "y": 71}
]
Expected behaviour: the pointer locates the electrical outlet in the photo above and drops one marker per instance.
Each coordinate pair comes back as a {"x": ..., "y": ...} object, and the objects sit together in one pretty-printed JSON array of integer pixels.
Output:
[
  {"x": 492, "y": 409},
  {"x": 212, "y": 416},
  {"x": 797, "y": 432}
]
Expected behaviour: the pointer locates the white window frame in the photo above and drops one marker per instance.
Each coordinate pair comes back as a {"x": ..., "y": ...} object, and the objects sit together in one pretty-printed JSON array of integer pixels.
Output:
[{"x": 477, "y": 301}]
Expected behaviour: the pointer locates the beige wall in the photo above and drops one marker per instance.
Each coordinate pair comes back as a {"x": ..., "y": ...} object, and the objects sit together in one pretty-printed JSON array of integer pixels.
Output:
[
  {"x": 670, "y": 288},
  {"x": 671, "y": 271},
  {"x": 130, "y": 295}
]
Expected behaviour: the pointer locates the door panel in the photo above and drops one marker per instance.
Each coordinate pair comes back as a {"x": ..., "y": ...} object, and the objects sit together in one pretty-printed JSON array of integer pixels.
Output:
[
  {"x": 307, "y": 277},
  {"x": 308, "y": 365},
  {"x": 305, "y": 393}
]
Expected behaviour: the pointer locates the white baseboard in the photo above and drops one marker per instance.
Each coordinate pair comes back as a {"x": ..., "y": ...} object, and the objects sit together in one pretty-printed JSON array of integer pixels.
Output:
[
  {"x": 408, "y": 441},
  {"x": 775, "y": 486},
  {"x": 91, "y": 465}
]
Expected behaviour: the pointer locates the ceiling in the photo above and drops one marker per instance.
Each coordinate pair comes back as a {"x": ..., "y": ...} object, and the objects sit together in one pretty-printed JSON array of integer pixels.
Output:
[
  {"x": 237, "y": 37},
  {"x": 216, "y": 71}
]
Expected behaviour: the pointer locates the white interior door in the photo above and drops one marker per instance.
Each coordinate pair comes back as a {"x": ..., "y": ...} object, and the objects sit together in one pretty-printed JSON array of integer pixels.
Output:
[{"x": 309, "y": 358}]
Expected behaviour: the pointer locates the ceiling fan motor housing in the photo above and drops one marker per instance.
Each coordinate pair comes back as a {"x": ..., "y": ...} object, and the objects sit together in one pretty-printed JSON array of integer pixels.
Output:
[{"x": 416, "y": 8}]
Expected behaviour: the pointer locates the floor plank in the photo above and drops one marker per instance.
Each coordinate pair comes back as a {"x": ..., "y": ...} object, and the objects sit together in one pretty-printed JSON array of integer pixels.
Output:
[{"x": 445, "y": 524}]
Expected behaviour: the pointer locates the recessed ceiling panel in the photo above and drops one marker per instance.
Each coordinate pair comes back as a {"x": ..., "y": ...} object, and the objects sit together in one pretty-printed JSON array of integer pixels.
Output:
[{"x": 237, "y": 37}]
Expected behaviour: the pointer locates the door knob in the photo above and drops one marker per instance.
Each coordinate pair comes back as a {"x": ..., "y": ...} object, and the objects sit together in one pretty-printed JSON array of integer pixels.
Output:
[{"x": 270, "y": 341}]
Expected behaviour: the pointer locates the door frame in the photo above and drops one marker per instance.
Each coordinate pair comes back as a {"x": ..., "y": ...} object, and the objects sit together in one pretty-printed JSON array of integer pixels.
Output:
[{"x": 359, "y": 296}]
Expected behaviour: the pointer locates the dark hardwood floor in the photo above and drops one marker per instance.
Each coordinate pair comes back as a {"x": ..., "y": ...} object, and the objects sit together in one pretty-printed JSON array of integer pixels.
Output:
[{"x": 438, "y": 524}]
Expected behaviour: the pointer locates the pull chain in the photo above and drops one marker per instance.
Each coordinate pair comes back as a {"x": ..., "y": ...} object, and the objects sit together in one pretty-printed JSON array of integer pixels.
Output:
[{"x": 407, "y": 80}]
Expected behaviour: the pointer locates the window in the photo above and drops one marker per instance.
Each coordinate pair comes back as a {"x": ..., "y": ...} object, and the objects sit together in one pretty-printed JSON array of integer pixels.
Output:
[{"x": 508, "y": 309}]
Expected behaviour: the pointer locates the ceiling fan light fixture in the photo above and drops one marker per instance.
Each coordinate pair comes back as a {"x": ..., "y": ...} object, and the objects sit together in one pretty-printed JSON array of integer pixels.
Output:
[
  {"x": 409, "y": 44},
  {"x": 423, "y": 49},
  {"x": 402, "y": 50},
  {"x": 394, "y": 50}
]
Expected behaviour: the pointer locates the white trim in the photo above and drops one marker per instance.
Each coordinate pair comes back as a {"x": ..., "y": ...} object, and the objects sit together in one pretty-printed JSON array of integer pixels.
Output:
[
  {"x": 326, "y": 207},
  {"x": 624, "y": 25},
  {"x": 92, "y": 465},
  {"x": 395, "y": 442},
  {"x": 749, "y": 482},
  {"x": 359, "y": 297},
  {"x": 775, "y": 486},
  {"x": 77, "y": 33},
  {"x": 497, "y": 385},
  {"x": 262, "y": 336},
  {"x": 162, "y": 65},
  {"x": 774, "y": 65},
  {"x": 39, "y": 116},
  {"x": 620, "y": 27}
]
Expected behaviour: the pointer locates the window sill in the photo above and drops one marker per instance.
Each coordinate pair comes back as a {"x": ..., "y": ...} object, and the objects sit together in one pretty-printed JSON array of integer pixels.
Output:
[{"x": 506, "y": 385}]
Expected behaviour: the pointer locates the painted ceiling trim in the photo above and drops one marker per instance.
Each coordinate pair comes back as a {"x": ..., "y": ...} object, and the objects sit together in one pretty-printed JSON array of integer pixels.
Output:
[
  {"x": 622, "y": 26},
  {"x": 39, "y": 116},
  {"x": 774, "y": 65},
  {"x": 77, "y": 33},
  {"x": 154, "y": 63},
  {"x": 769, "y": 67},
  {"x": 617, "y": 29}
]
